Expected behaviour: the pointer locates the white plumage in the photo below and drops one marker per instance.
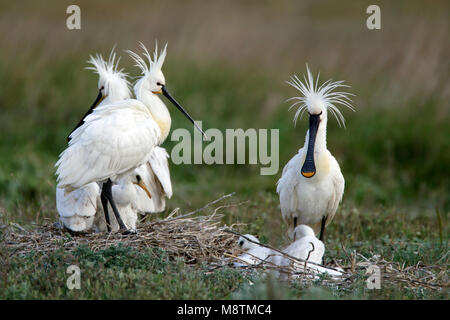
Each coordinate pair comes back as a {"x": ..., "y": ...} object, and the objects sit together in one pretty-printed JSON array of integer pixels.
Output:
[
  {"x": 156, "y": 176},
  {"x": 312, "y": 185},
  {"x": 114, "y": 140},
  {"x": 119, "y": 137},
  {"x": 77, "y": 208},
  {"x": 254, "y": 254},
  {"x": 125, "y": 194},
  {"x": 112, "y": 81},
  {"x": 307, "y": 248}
]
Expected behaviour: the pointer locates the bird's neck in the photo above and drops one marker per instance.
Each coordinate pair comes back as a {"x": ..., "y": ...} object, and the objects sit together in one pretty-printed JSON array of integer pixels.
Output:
[
  {"x": 321, "y": 137},
  {"x": 158, "y": 110}
]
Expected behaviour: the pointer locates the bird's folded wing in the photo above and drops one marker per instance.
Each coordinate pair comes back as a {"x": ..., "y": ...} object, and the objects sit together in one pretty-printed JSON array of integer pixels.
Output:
[
  {"x": 287, "y": 185},
  {"x": 142, "y": 203},
  {"x": 156, "y": 176},
  {"x": 81, "y": 201},
  {"x": 338, "y": 191},
  {"x": 114, "y": 139},
  {"x": 160, "y": 165},
  {"x": 288, "y": 175}
]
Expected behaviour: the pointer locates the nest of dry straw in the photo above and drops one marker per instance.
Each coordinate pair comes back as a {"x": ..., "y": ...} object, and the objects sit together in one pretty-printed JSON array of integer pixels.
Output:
[
  {"x": 391, "y": 273},
  {"x": 203, "y": 238},
  {"x": 200, "y": 238}
]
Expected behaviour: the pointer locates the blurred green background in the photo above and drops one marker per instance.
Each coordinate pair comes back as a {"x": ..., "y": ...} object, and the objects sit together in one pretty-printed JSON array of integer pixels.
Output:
[{"x": 227, "y": 63}]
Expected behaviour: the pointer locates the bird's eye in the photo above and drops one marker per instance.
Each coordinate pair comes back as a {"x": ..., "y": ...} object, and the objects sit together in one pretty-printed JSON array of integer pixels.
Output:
[
  {"x": 138, "y": 177},
  {"x": 241, "y": 243},
  {"x": 158, "y": 84}
]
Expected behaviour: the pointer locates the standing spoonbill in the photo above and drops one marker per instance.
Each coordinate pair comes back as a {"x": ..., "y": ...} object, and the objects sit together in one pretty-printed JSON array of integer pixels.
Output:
[
  {"x": 77, "y": 208},
  {"x": 118, "y": 137},
  {"x": 311, "y": 184},
  {"x": 147, "y": 196}
]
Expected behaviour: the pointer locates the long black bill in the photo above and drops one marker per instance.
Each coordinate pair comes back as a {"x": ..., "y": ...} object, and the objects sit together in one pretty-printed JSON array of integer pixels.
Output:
[
  {"x": 95, "y": 104},
  {"x": 168, "y": 96},
  {"x": 309, "y": 167}
]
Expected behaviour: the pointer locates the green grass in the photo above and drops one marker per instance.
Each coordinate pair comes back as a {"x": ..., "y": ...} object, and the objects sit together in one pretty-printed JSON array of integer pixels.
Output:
[
  {"x": 393, "y": 153},
  {"x": 115, "y": 273},
  {"x": 124, "y": 273},
  {"x": 392, "y": 192}
]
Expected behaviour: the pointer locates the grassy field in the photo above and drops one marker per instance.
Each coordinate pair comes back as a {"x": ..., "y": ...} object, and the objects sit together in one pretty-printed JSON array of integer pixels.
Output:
[{"x": 227, "y": 64}]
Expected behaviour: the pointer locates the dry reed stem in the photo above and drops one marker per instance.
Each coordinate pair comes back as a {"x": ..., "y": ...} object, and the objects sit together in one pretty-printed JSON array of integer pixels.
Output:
[
  {"x": 196, "y": 238},
  {"x": 203, "y": 238}
]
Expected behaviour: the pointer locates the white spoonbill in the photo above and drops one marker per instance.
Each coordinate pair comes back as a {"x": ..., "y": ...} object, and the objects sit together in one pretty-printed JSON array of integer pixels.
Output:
[
  {"x": 124, "y": 192},
  {"x": 149, "y": 195},
  {"x": 155, "y": 173},
  {"x": 142, "y": 191},
  {"x": 77, "y": 208},
  {"x": 156, "y": 176},
  {"x": 254, "y": 254},
  {"x": 308, "y": 248},
  {"x": 118, "y": 137},
  {"x": 311, "y": 185}
]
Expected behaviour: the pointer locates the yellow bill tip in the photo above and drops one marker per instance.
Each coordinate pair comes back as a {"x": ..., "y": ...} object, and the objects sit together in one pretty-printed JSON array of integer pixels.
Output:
[
  {"x": 144, "y": 187},
  {"x": 308, "y": 174}
]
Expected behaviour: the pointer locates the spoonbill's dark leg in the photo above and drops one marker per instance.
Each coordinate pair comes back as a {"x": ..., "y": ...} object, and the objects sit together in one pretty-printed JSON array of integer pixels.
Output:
[
  {"x": 322, "y": 228},
  {"x": 105, "y": 207},
  {"x": 295, "y": 225},
  {"x": 107, "y": 187}
]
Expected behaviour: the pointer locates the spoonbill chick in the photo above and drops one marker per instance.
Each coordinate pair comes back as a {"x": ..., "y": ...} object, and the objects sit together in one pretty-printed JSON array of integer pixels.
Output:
[
  {"x": 118, "y": 137},
  {"x": 255, "y": 253},
  {"x": 310, "y": 249},
  {"x": 307, "y": 246},
  {"x": 125, "y": 194},
  {"x": 77, "y": 208},
  {"x": 156, "y": 176},
  {"x": 311, "y": 184}
]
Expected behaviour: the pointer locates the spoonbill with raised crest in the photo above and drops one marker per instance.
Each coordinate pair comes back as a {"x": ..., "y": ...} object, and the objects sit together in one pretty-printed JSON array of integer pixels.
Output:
[
  {"x": 311, "y": 184},
  {"x": 77, "y": 208},
  {"x": 118, "y": 137}
]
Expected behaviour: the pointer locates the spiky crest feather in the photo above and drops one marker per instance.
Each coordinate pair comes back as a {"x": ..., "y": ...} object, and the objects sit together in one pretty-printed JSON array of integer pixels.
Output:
[
  {"x": 154, "y": 65},
  {"x": 108, "y": 68},
  {"x": 325, "y": 94}
]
